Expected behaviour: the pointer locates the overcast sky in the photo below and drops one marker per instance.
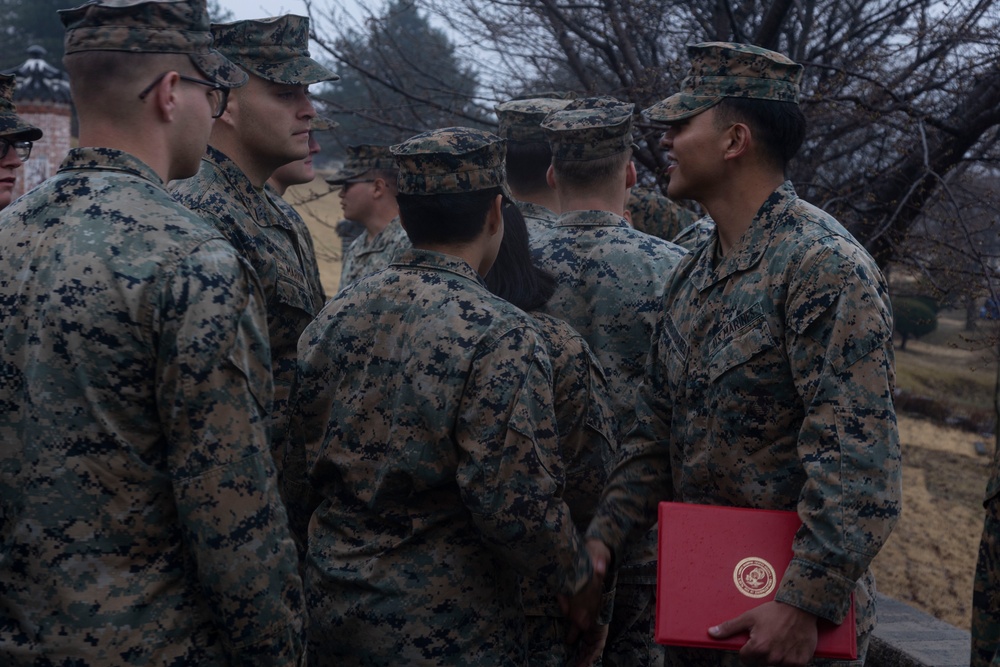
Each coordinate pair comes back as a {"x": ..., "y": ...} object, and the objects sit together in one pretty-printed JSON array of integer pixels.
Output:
[{"x": 256, "y": 9}]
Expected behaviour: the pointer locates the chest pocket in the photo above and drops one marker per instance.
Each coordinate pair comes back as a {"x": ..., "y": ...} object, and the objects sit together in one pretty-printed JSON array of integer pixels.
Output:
[{"x": 751, "y": 338}]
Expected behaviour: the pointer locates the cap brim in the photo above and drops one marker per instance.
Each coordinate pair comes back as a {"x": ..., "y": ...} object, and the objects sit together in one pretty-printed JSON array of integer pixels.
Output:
[
  {"x": 680, "y": 106},
  {"x": 341, "y": 177},
  {"x": 295, "y": 72},
  {"x": 220, "y": 69},
  {"x": 22, "y": 132}
]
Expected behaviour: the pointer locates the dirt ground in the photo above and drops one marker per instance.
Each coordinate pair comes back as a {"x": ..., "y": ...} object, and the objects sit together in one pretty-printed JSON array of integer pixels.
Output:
[{"x": 930, "y": 558}]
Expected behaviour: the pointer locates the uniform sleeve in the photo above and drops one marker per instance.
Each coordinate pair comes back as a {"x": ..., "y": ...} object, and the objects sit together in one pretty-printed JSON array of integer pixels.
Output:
[
  {"x": 641, "y": 478},
  {"x": 839, "y": 345},
  {"x": 509, "y": 473},
  {"x": 215, "y": 390}
]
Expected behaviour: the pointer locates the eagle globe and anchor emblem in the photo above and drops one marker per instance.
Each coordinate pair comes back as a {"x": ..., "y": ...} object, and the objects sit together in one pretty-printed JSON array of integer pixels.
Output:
[{"x": 754, "y": 577}]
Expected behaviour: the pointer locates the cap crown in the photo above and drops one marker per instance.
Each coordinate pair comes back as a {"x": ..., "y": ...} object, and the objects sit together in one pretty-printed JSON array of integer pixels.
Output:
[
  {"x": 362, "y": 159},
  {"x": 449, "y": 161},
  {"x": 728, "y": 69},
  {"x": 11, "y": 125},
  {"x": 276, "y": 49},
  {"x": 590, "y": 129},
  {"x": 521, "y": 120}
]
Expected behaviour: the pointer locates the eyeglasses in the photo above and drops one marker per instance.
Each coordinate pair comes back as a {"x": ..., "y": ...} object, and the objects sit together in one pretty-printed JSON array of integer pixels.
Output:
[
  {"x": 220, "y": 93},
  {"x": 21, "y": 148},
  {"x": 349, "y": 183}
]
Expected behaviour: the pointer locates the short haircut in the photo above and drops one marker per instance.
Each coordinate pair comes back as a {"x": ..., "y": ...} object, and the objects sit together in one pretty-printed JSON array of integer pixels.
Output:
[
  {"x": 527, "y": 164},
  {"x": 514, "y": 276},
  {"x": 445, "y": 218},
  {"x": 581, "y": 174},
  {"x": 387, "y": 175},
  {"x": 779, "y": 128},
  {"x": 99, "y": 77}
]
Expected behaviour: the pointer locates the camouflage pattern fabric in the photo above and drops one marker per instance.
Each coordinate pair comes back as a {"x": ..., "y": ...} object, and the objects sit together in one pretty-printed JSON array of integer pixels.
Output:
[
  {"x": 13, "y": 126},
  {"x": 588, "y": 441},
  {"x": 180, "y": 26},
  {"x": 280, "y": 255},
  {"x": 655, "y": 214},
  {"x": 771, "y": 376},
  {"x": 140, "y": 520},
  {"x": 304, "y": 239},
  {"x": 986, "y": 586},
  {"x": 589, "y": 129},
  {"x": 425, "y": 407},
  {"x": 451, "y": 160},
  {"x": 539, "y": 220},
  {"x": 367, "y": 256},
  {"x": 728, "y": 69},
  {"x": 696, "y": 234},
  {"x": 521, "y": 120},
  {"x": 275, "y": 49}
]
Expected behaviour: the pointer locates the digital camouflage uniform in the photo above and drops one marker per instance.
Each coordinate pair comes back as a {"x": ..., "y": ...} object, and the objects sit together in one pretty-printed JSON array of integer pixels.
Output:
[
  {"x": 280, "y": 252},
  {"x": 655, "y": 214},
  {"x": 425, "y": 406},
  {"x": 695, "y": 234},
  {"x": 770, "y": 383},
  {"x": 139, "y": 515},
  {"x": 986, "y": 586},
  {"x": 366, "y": 254},
  {"x": 520, "y": 123},
  {"x": 303, "y": 240},
  {"x": 588, "y": 440},
  {"x": 609, "y": 283}
]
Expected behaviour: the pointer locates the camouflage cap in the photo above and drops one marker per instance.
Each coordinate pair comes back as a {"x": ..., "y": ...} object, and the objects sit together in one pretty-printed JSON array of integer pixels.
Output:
[
  {"x": 728, "y": 69},
  {"x": 521, "y": 120},
  {"x": 11, "y": 125},
  {"x": 590, "y": 128},
  {"x": 450, "y": 161},
  {"x": 276, "y": 49},
  {"x": 150, "y": 26},
  {"x": 362, "y": 159}
]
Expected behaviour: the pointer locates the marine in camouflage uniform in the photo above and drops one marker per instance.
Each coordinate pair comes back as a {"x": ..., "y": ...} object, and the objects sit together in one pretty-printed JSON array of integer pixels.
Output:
[
  {"x": 231, "y": 196},
  {"x": 655, "y": 214},
  {"x": 383, "y": 238},
  {"x": 609, "y": 282},
  {"x": 426, "y": 411},
  {"x": 15, "y": 135},
  {"x": 771, "y": 379},
  {"x": 986, "y": 586},
  {"x": 585, "y": 421},
  {"x": 139, "y": 516},
  {"x": 528, "y": 160}
]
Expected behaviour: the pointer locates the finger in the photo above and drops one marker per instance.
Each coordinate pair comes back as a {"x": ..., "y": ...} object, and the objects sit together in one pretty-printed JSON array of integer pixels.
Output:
[{"x": 731, "y": 627}]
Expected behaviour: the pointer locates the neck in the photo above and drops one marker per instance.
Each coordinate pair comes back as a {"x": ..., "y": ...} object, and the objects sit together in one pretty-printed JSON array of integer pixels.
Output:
[
  {"x": 736, "y": 204},
  {"x": 278, "y": 186},
  {"x": 151, "y": 148},
  {"x": 244, "y": 158},
  {"x": 375, "y": 223},
  {"x": 582, "y": 201}
]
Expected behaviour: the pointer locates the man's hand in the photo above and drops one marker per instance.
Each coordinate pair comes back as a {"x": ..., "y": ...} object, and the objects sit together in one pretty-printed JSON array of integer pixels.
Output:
[
  {"x": 583, "y": 608},
  {"x": 780, "y": 635}
]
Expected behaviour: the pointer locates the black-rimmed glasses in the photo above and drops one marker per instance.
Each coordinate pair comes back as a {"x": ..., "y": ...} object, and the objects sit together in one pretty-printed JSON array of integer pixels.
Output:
[
  {"x": 21, "y": 148},
  {"x": 220, "y": 93}
]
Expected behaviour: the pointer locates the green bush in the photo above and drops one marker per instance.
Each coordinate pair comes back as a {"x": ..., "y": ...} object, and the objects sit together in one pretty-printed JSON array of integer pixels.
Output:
[{"x": 913, "y": 317}]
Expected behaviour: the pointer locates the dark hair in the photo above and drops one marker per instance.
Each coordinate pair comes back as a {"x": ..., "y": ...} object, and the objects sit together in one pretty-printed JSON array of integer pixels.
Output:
[
  {"x": 779, "y": 127},
  {"x": 527, "y": 164},
  {"x": 514, "y": 276},
  {"x": 390, "y": 176},
  {"x": 445, "y": 218},
  {"x": 579, "y": 174}
]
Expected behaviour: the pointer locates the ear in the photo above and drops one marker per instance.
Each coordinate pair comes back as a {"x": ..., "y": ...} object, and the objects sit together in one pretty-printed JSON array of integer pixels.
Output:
[
  {"x": 630, "y": 175},
  {"x": 494, "y": 218},
  {"x": 164, "y": 96},
  {"x": 550, "y": 177},
  {"x": 378, "y": 188},
  {"x": 738, "y": 141}
]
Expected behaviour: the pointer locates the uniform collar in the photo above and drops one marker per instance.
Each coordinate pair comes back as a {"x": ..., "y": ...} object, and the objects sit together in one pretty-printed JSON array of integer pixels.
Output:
[{"x": 110, "y": 159}]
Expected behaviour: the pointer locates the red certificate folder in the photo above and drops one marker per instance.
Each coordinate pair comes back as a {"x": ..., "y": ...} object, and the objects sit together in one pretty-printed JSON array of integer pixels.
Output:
[{"x": 716, "y": 563}]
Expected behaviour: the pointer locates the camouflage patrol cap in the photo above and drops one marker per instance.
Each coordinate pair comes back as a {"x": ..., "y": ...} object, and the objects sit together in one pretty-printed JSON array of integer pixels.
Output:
[
  {"x": 362, "y": 159},
  {"x": 521, "y": 120},
  {"x": 150, "y": 26},
  {"x": 11, "y": 125},
  {"x": 276, "y": 49},
  {"x": 590, "y": 129},
  {"x": 728, "y": 69},
  {"x": 450, "y": 161}
]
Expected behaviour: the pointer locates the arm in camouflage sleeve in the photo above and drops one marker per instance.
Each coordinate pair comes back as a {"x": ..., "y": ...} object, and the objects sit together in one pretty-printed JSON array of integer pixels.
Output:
[
  {"x": 215, "y": 386},
  {"x": 509, "y": 473},
  {"x": 642, "y": 476},
  {"x": 839, "y": 342}
]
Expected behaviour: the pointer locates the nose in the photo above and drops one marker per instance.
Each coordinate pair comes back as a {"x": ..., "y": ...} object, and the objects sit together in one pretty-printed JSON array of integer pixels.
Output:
[{"x": 667, "y": 139}]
